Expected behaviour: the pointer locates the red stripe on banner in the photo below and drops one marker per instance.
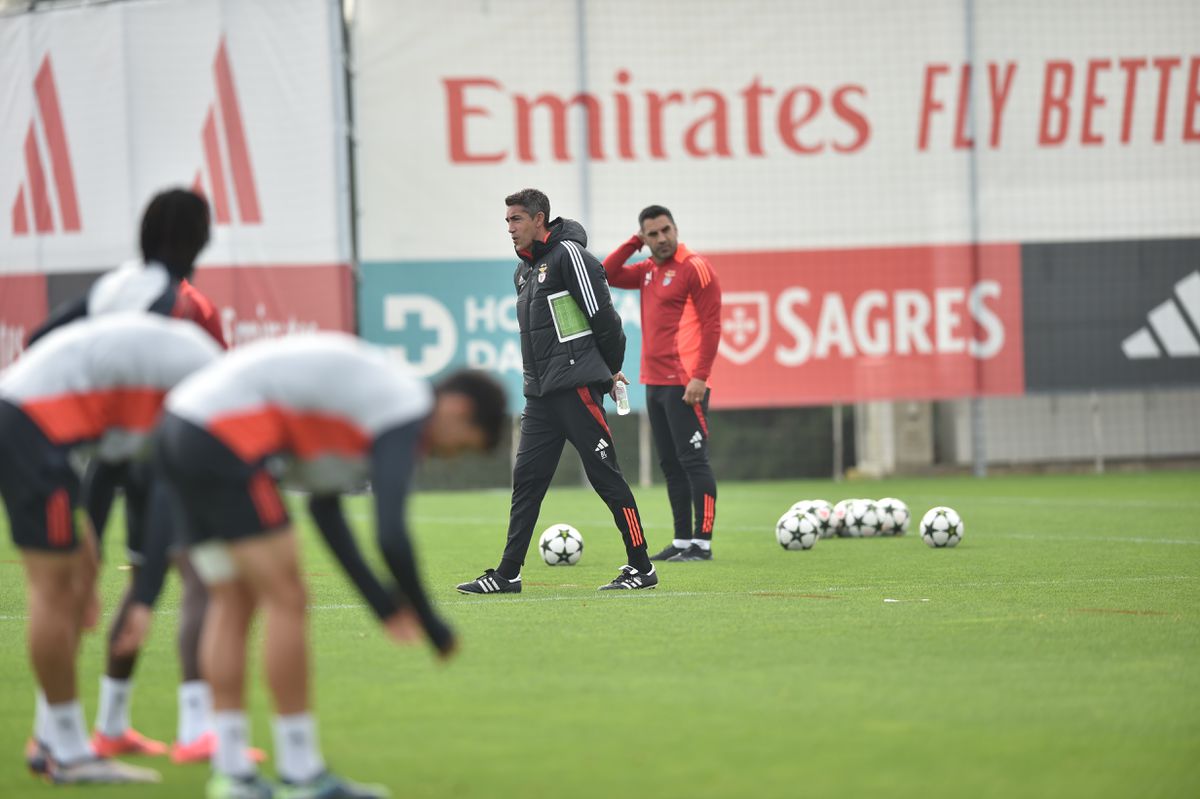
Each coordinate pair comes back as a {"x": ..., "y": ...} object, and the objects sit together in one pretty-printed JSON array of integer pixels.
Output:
[
  {"x": 198, "y": 185},
  {"x": 20, "y": 216},
  {"x": 216, "y": 169},
  {"x": 42, "y": 217},
  {"x": 586, "y": 395},
  {"x": 58, "y": 519},
  {"x": 56, "y": 139},
  {"x": 700, "y": 416},
  {"x": 235, "y": 139}
]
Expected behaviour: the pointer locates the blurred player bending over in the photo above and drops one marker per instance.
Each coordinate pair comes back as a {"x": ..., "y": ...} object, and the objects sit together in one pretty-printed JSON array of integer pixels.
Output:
[
  {"x": 97, "y": 382},
  {"x": 681, "y": 329},
  {"x": 334, "y": 412},
  {"x": 174, "y": 230}
]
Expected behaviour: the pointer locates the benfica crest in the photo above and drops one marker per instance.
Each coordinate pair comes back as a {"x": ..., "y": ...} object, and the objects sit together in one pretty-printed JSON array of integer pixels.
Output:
[{"x": 745, "y": 325}]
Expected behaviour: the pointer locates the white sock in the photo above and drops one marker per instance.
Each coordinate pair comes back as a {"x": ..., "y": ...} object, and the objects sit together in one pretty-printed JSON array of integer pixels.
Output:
[
  {"x": 233, "y": 737},
  {"x": 112, "y": 716},
  {"x": 681, "y": 543},
  {"x": 41, "y": 717},
  {"x": 702, "y": 543},
  {"x": 195, "y": 711},
  {"x": 297, "y": 756},
  {"x": 66, "y": 732}
]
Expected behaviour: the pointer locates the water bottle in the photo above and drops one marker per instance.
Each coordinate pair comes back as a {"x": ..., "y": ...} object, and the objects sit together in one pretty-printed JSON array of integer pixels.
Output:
[{"x": 622, "y": 394}]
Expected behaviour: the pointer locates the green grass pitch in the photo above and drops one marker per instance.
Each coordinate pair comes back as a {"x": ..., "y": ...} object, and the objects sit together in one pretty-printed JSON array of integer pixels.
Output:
[{"x": 1055, "y": 652}]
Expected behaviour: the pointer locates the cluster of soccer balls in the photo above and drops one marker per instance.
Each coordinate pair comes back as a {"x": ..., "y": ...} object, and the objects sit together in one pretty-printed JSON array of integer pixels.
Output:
[
  {"x": 812, "y": 519},
  {"x": 561, "y": 545}
]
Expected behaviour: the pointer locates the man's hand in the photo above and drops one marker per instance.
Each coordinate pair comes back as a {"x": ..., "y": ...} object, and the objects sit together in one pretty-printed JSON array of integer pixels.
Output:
[
  {"x": 618, "y": 376},
  {"x": 403, "y": 627},
  {"x": 693, "y": 392},
  {"x": 641, "y": 240},
  {"x": 131, "y": 632}
]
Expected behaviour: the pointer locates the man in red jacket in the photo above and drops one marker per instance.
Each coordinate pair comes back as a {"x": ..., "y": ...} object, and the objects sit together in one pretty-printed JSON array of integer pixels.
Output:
[{"x": 681, "y": 329}]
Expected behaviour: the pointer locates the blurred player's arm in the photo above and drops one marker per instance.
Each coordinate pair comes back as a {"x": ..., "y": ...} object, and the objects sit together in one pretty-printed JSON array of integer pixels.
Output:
[
  {"x": 393, "y": 458},
  {"x": 63, "y": 315},
  {"x": 620, "y": 275},
  {"x": 706, "y": 296},
  {"x": 327, "y": 513}
]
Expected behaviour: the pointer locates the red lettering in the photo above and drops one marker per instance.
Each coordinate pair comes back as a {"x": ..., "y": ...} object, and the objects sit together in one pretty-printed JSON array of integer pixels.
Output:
[
  {"x": 789, "y": 126},
  {"x": 1131, "y": 67},
  {"x": 852, "y": 117},
  {"x": 558, "y": 125},
  {"x": 1092, "y": 101},
  {"x": 1052, "y": 102},
  {"x": 457, "y": 112},
  {"x": 1164, "y": 67},
  {"x": 656, "y": 103},
  {"x": 961, "y": 140},
  {"x": 752, "y": 94},
  {"x": 929, "y": 103},
  {"x": 624, "y": 114},
  {"x": 998, "y": 91},
  {"x": 718, "y": 119},
  {"x": 1190, "y": 133}
]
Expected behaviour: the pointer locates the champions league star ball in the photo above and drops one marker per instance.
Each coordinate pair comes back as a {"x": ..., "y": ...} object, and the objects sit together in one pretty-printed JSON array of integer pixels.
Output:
[
  {"x": 893, "y": 516},
  {"x": 796, "y": 530},
  {"x": 838, "y": 518},
  {"x": 561, "y": 545},
  {"x": 862, "y": 518},
  {"x": 941, "y": 527},
  {"x": 823, "y": 511}
]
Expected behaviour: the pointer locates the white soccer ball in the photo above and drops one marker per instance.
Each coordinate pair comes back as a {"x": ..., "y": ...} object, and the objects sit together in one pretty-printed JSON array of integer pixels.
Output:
[
  {"x": 893, "y": 516},
  {"x": 797, "y": 530},
  {"x": 862, "y": 519},
  {"x": 803, "y": 506},
  {"x": 827, "y": 527},
  {"x": 941, "y": 527},
  {"x": 838, "y": 518},
  {"x": 561, "y": 545}
]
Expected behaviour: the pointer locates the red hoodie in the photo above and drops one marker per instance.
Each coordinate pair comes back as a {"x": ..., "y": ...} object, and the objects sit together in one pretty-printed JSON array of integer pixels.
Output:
[{"x": 681, "y": 312}]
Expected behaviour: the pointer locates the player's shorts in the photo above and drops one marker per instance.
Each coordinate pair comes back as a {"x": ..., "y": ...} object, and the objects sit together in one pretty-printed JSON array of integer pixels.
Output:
[
  {"x": 219, "y": 497},
  {"x": 38, "y": 484}
]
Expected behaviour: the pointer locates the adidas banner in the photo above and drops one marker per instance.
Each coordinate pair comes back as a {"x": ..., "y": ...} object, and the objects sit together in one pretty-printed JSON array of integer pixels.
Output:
[
  {"x": 1113, "y": 314},
  {"x": 106, "y": 104}
]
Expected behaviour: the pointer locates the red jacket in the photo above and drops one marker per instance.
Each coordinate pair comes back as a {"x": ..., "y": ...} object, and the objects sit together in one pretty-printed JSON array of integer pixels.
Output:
[
  {"x": 681, "y": 312},
  {"x": 191, "y": 304}
]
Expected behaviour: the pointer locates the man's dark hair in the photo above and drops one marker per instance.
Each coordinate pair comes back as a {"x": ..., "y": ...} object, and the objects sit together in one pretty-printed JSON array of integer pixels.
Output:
[
  {"x": 175, "y": 230},
  {"x": 654, "y": 212},
  {"x": 531, "y": 200},
  {"x": 488, "y": 400}
]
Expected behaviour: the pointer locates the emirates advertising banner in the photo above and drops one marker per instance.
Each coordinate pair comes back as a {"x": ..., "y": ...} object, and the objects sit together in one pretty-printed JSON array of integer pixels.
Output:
[
  {"x": 880, "y": 186},
  {"x": 107, "y": 104}
]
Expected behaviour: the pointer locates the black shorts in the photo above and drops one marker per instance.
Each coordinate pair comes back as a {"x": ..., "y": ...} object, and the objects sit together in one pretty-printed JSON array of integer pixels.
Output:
[
  {"x": 136, "y": 481},
  {"x": 218, "y": 496},
  {"x": 39, "y": 487}
]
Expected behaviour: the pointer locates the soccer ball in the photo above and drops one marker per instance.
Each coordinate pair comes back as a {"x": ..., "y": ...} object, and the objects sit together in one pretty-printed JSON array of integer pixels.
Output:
[
  {"x": 561, "y": 545},
  {"x": 803, "y": 506},
  {"x": 941, "y": 527},
  {"x": 797, "y": 530},
  {"x": 862, "y": 518},
  {"x": 826, "y": 525},
  {"x": 838, "y": 518},
  {"x": 893, "y": 516}
]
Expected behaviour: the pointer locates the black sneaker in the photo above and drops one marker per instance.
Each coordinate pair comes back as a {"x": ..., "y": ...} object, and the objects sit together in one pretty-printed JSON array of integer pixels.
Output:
[
  {"x": 37, "y": 756},
  {"x": 632, "y": 579},
  {"x": 491, "y": 583},
  {"x": 669, "y": 552},
  {"x": 694, "y": 552}
]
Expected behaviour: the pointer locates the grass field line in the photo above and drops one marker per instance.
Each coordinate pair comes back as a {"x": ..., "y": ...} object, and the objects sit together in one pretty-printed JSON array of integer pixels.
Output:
[
  {"x": 733, "y": 528},
  {"x": 835, "y": 589}
]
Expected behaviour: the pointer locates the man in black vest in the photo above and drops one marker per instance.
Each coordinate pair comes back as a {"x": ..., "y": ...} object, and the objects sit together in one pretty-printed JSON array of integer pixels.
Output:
[{"x": 572, "y": 346}]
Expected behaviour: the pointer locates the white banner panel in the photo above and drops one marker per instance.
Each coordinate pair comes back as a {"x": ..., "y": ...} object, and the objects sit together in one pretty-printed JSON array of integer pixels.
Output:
[
  {"x": 105, "y": 105},
  {"x": 778, "y": 125}
]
